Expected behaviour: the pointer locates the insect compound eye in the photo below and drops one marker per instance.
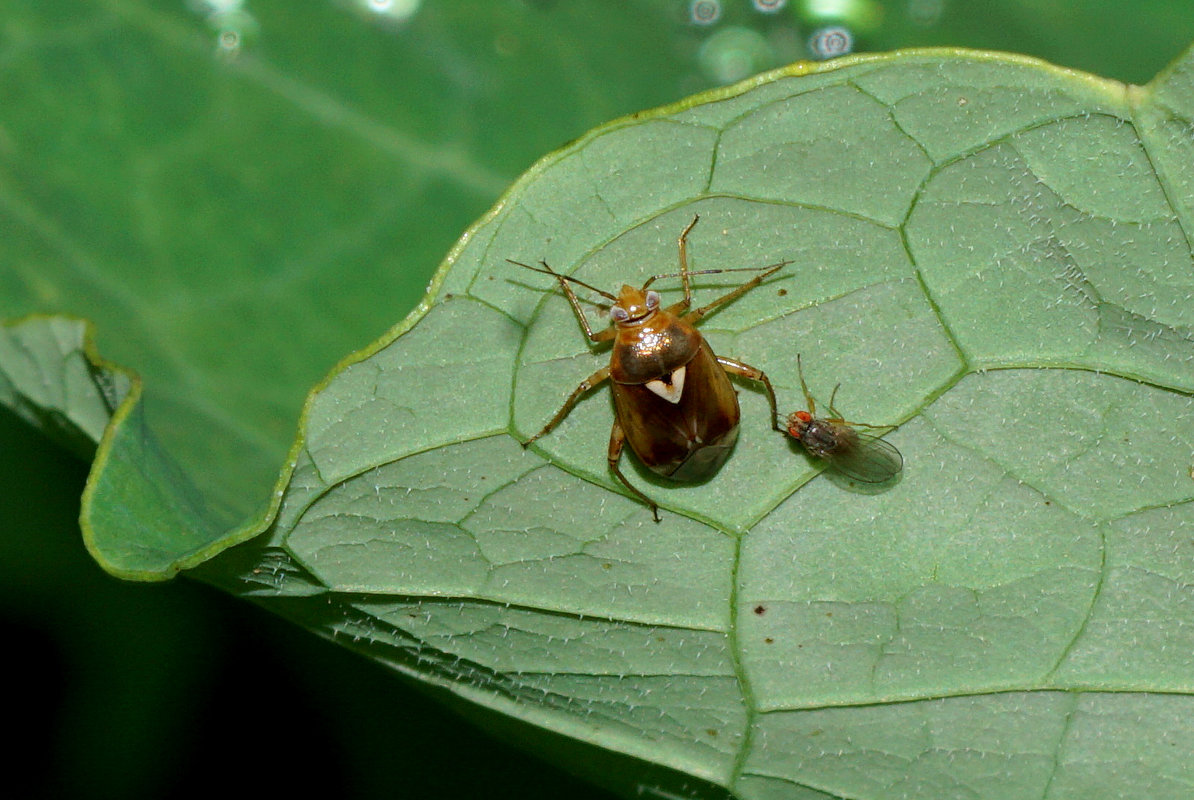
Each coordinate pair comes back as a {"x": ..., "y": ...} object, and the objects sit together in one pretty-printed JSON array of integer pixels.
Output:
[
  {"x": 652, "y": 300},
  {"x": 618, "y": 314}
]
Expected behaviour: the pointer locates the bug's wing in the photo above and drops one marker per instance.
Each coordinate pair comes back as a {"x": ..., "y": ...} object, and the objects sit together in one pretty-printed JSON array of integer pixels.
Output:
[
  {"x": 687, "y": 440},
  {"x": 867, "y": 458}
]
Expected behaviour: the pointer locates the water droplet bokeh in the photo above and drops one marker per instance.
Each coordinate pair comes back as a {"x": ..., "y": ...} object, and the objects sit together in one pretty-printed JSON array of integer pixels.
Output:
[
  {"x": 830, "y": 42},
  {"x": 769, "y": 6},
  {"x": 704, "y": 12}
]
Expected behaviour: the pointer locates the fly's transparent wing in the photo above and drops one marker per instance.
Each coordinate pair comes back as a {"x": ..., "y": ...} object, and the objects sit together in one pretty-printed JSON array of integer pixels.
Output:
[{"x": 865, "y": 458}]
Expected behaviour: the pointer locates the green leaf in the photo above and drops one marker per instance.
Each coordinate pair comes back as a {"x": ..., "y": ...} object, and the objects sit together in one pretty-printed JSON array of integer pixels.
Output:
[
  {"x": 54, "y": 379},
  {"x": 989, "y": 251},
  {"x": 233, "y": 226},
  {"x": 233, "y": 222}
]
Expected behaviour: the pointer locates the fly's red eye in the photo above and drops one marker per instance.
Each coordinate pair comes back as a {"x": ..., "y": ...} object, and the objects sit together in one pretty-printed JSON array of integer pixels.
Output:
[{"x": 856, "y": 454}]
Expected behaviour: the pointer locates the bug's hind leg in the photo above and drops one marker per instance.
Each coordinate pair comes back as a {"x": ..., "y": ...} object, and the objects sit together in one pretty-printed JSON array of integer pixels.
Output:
[{"x": 617, "y": 439}]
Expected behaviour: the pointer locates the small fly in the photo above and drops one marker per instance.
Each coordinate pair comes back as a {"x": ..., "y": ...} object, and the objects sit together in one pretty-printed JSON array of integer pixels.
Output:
[{"x": 858, "y": 455}]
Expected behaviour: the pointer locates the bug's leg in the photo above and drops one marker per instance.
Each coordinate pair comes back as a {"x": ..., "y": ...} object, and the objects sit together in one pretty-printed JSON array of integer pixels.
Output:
[
  {"x": 546, "y": 269},
  {"x": 694, "y": 315},
  {"x": 600, "y": 336},
  {"x": 588, "y": 383},
  {"x": 681, "y": 306},
  {"x": 687, "y": 301},
  {"x": 808, "y": 397},
  {"x": 617, "y": 438},
  {"x": 747, "y": 371}
]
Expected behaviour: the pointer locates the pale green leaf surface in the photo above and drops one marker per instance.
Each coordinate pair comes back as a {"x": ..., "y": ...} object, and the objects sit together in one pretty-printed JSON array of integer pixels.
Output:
[{"x": 988, "y": 251}]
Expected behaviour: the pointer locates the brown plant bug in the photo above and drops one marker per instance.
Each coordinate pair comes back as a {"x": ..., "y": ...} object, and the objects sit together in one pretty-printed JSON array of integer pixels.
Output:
[
  {"x": 858, "y": 455},
  {"x": 673, "y": 401}
]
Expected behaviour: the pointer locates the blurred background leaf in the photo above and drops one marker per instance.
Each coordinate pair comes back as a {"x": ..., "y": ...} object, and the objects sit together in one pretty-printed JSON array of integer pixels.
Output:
[{"x": 240, "y": 193}]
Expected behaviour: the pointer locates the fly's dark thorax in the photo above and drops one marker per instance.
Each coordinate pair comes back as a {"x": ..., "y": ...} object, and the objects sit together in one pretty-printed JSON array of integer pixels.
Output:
[{"x": 824, "y": 438}]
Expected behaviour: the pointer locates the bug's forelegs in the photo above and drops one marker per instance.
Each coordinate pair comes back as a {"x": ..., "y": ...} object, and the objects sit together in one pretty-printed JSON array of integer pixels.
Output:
[
  {"x": 597, "y": 378},
  {"x": 692, "y": 317}
]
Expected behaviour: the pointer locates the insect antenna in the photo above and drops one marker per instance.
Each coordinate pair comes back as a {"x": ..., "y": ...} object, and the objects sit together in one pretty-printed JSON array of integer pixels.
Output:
[
  {"x": 547, "y": 270},
  {"x": 654, "y": 278}
]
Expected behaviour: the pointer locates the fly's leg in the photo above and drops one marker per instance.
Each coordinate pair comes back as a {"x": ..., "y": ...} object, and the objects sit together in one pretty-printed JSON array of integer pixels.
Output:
[
  {"x": 808, "y": 397},
  {"x": 617, "y": 438},
  {"x": 832, "y": 408},
  {"x": 597, "y": 378},
  {"x": 837, "y": 415},
  {"x": 747, "y": 371}
]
